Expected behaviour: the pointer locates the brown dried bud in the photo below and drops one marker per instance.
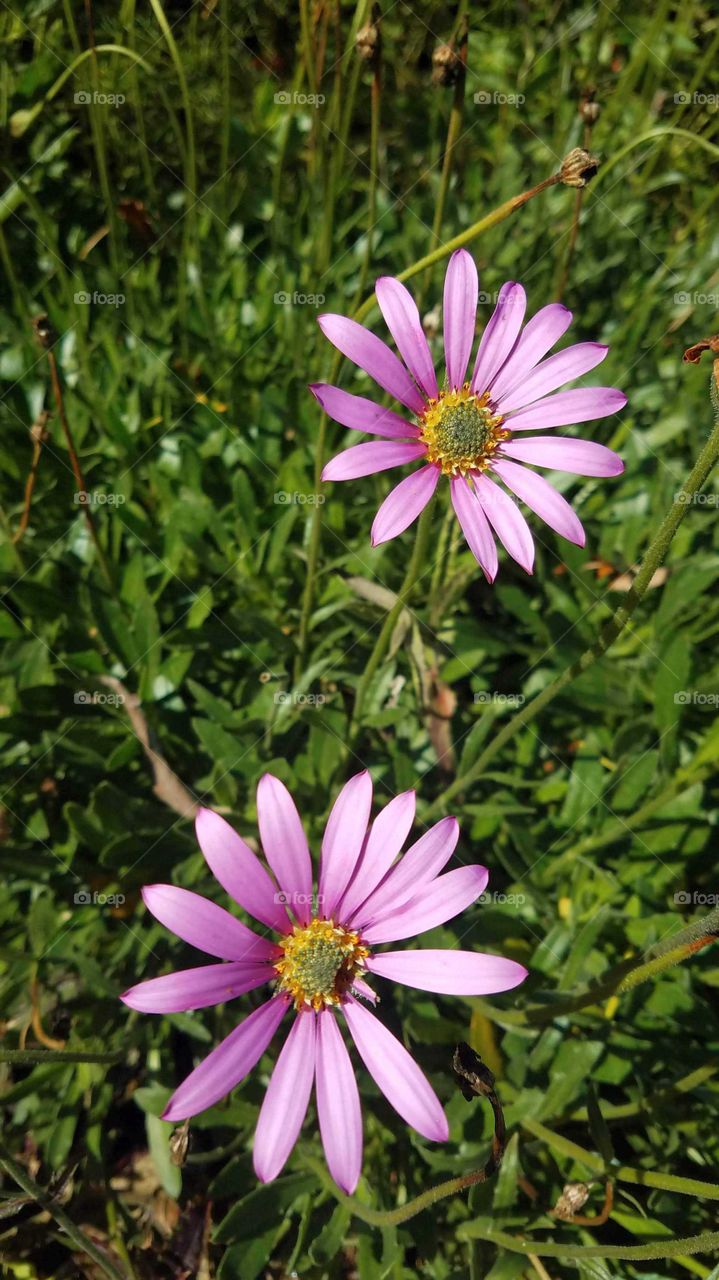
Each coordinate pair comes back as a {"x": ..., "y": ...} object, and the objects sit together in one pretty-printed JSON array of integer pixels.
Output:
[
  {"x": 38, "y": 431},
  {"x": 44, "y": 331},
  {"x": 367, "y": 43},
  {"x": 589, "y": 111},
  {"x": 446, "y": 66},
  {"x": 179, "y": 1142},
  {"x": 573, "y": 1198},
  {"x": 578, "y": 167}
]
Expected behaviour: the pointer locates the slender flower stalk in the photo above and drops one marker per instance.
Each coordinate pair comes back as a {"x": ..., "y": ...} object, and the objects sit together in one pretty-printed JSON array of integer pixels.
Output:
[
  {"x": 443, "y": 251},
  {"x": 413, "y": 570}
]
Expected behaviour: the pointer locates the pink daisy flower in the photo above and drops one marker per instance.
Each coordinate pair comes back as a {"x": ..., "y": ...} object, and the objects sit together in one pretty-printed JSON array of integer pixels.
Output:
[
  {"x": 318, "y": 965},
  {"x": 472, "y": 430}
]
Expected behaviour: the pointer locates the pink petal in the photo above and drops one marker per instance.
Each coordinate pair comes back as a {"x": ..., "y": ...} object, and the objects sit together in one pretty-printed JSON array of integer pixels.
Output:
[
  {"x": 363, "y": 348},
  {"x": 238, "y": 870},
  {"x": 285, "y": 844},
  {"x": 450, "y": 973},
  {"x": 360, "y": 414},
  {"x": 338, "y": 1105},
  {"x": 228, "y": 1063},
  {"x": 475, "y": 528},
  {"x": 396, "y": 1073},
  {"x": 367, "y": 459},
  {"x": 386, "y": 837},
  {"x": 343, "y": 839},
  {"x": 580, "y": 457},
  {"x": 537, "y": 338},
  {"x": 197, "y": 988},
  {"x": 404, "y": 503},
  {"x": 441, "y": 900},
  {"x": 552, "y": 373},
  {"x": 402, "y": 319},
  {"x": 500, "y": 335},
  {"x": 507, "y": 521},
  {"x": 285, "y": 1103},
  {"x": 581, "y": 404},
  {"x": 542, "y": 498},
  {"x": 421, "y": 863},
  {"x": 205, "y": 925},
  {"x": 461, "y": 289}
]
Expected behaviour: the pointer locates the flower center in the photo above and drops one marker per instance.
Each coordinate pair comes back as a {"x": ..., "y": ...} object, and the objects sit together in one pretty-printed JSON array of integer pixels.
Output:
[
  {"x": 319, "y": 963},
  {"x": 460, "y": 431}
]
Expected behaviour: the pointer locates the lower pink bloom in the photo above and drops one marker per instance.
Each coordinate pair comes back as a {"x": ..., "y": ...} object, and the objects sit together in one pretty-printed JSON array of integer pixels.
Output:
[
  {"x": 366, "y": 895},
  {"x": 473, "y": 429}
]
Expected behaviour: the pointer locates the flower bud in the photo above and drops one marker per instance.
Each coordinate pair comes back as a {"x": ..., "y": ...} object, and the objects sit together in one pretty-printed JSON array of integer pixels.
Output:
[
  {"x": 578, "y": 167},
  {"x": 367, "y": 43},
  {"x": 446, "y": 66},
  {"x": 589, "y": 111}
]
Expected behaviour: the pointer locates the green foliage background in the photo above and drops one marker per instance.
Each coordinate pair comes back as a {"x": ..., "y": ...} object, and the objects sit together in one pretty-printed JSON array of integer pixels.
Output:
[{"x": 189, "y": 407}]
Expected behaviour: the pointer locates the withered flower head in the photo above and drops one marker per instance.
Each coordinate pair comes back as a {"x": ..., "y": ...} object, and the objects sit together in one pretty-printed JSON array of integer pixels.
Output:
[
  {"x": 367, "y": 43},
  {"x": 446, "y": 66},
  {"x": 578, "y": 168}
]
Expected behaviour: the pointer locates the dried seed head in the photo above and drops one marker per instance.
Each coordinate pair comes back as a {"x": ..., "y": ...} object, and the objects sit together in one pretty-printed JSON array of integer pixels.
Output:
[
  {"x": 367, "y": 43},
  {"x": 589, "y": 111},
  {"x": 44, "y": 331},
  {"x": 578, "y": 168},
  {"x": 446, "y": 66},
  {"x": 573, "y": 1198}
]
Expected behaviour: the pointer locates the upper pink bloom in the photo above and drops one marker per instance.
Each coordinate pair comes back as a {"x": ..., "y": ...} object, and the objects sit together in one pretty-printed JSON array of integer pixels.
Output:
[
  {"x": 472, "y": 430},
  {"x": 366, "y": 895}
]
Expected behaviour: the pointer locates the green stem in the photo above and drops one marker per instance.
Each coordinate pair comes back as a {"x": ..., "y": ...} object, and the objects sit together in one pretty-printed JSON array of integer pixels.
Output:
[
  {"x": 394, "y": 1217},
  {"x": 635, "y": 1177},
  {"x": 376, "y": 98},
  {"x": 653, "y": 558},
  {"x": 29, "y": 1057},
  {"x": 621, "y": 978},
  {"x": 706, "y": 1243},
  {"x": 465, "y": 237},
  {"x": 455, "y": 124},
  {"x": 416, "y": 561},
  {"x": 45, "y": 1200},
  {"x": 443, "y": 251}
]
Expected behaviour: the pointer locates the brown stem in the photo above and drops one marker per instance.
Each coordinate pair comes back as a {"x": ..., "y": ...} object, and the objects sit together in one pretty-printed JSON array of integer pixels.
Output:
[
  {"x": 47, "y": 338},
  {"x": 39, "y": 434}
]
